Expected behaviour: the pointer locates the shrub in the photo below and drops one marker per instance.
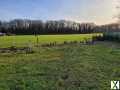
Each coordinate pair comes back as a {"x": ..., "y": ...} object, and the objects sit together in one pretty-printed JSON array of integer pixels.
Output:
[{"x": 110, "y": 36}]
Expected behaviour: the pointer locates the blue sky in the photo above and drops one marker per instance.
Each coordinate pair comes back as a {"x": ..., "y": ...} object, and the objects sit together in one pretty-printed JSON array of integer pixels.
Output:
[{"x": 98, "y": 11}]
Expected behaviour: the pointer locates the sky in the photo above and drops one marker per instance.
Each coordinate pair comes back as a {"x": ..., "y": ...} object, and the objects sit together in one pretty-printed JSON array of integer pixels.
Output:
[{"x": 97, "y": 11}]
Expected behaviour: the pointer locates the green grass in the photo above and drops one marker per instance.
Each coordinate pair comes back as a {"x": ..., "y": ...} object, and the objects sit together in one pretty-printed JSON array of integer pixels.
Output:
[
  {"x": 69, "y": 67},
  {"x": 6, "y": 41}
]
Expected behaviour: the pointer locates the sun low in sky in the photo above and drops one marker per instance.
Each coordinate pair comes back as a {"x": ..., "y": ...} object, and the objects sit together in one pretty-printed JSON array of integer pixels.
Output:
[{"x": 97, "y": 11}]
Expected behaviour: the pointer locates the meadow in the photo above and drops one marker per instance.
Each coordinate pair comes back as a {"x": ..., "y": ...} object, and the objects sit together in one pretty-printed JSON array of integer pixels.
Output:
[
  {"x": 23, "y": 40},
  {"x": 67, "y": 67}
]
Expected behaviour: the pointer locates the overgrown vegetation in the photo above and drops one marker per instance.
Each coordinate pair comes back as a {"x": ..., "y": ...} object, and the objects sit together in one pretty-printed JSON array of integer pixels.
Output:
[
  {"x": 69, "y": 67},
  {"x": 59, "y": 62},
  {"x": 108, "y": 36}
]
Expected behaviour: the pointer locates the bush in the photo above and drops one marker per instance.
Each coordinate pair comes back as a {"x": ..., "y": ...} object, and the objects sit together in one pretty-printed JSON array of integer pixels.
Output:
[{"x": 110, "y": 36}]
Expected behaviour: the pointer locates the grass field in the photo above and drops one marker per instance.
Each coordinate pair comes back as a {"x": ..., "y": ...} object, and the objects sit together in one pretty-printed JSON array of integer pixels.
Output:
[
  {"x": 6, "y": 41},
  {"x": 69, "y": 67},
  {"x": 66, "y": 67}
]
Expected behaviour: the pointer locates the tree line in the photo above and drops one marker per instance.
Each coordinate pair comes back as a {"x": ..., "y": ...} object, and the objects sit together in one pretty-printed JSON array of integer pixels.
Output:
[
  {"x": 19, "y": 26},
  {"x": 29, "y": 27}
]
